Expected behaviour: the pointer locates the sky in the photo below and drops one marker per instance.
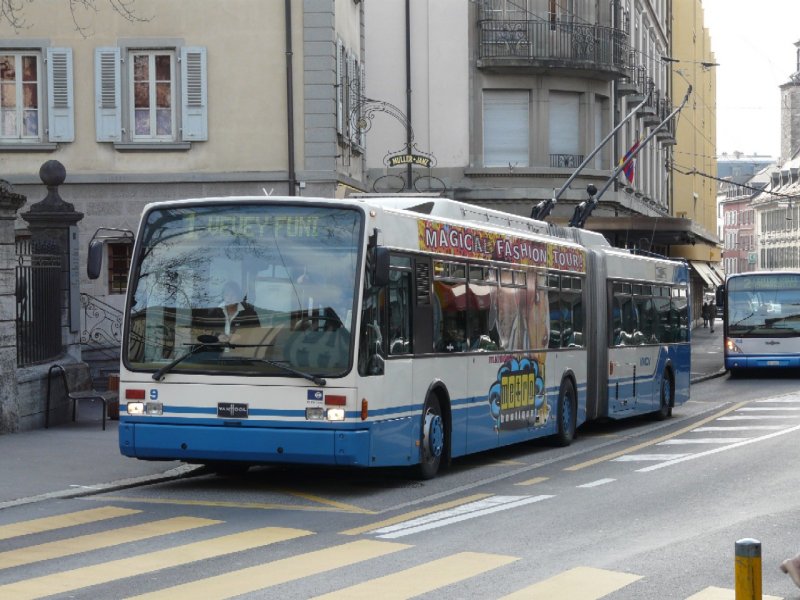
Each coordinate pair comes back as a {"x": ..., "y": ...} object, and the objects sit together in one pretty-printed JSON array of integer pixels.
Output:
[{"x": 753, "y": 42}]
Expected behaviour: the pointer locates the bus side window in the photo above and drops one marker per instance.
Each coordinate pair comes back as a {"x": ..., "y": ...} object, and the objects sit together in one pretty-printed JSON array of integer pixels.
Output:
[
  {"x": 400, "y": 312},
  {"x": 370, "y": 349}
]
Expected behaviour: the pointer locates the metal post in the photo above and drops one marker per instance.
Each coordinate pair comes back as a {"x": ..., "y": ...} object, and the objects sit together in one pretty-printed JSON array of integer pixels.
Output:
[{"x": 748, "y": 569}]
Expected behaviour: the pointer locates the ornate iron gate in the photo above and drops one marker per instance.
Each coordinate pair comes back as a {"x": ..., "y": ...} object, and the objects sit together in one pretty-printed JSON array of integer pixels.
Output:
[{"x": 38, "y": 293}]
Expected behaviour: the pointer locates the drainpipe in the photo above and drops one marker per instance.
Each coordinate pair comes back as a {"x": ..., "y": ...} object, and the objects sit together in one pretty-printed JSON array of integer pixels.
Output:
[
  {"x": 408, "y": 92},
  {"x": 290, "y": 99}
]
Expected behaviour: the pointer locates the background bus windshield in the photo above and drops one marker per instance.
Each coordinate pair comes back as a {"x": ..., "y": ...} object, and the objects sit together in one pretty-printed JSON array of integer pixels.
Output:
[
  {"x": 234, "y": 286},
  {"x": 764, "y": 306}
]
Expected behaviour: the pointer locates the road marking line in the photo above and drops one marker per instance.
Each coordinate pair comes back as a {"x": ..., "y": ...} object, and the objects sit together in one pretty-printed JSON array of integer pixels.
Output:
[
  {"x": 687, "y": 441},
  {"x": 740, "y": 428},
  {"x": 715, "y": 593},
  {"x": 96, "y": 541},
  {"x": 580, "y": 583},
  {"x": 757, "y": 417},
  {"x": 413, "y": 582},
  {"x": 81, "y": 517},
  {"x": 533, "y": 481},
  {"x": 592, "y": 484},
  {"x": 792, "y": 400},
  {"x": 258, "y": 505},
  {"x": 473, "y": 510},
  {"x": 414, "y": 514},
  {"x": 647, "y": 457},
  {"x": 332, "y": 503},
  {"x": 767, "y": 408},
  {"x": 720, "y": 449},
  {"x": 67, "y": 581},
  {"x": 669, "y": 436},
  {"x": 260, "y": 577}
]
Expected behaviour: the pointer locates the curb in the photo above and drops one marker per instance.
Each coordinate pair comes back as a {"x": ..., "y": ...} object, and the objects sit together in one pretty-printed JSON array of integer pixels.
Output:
[
  {"x": 708, "y": 376},
  {"x": 184, "y": 471}
]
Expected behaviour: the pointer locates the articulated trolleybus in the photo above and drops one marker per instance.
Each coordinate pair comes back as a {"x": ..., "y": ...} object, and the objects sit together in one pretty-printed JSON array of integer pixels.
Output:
[
  {"x": 375, "y": 332},
  {"x": 762, "y": 320}
]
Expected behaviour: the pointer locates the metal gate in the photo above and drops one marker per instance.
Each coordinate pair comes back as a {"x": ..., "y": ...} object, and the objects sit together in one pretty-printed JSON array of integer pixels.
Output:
[{"x": 38, "y": 294}]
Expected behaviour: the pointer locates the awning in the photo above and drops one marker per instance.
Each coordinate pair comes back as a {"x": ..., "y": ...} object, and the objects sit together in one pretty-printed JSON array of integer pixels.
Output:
[{"x": 706, "y": 274}]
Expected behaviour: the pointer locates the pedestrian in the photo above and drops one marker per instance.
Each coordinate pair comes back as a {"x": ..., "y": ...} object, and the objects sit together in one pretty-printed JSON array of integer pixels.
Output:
[
  {"x": 704, "y": 313},
  {"x": 712, "y": 314},
  {"x": 791, "y": 566}
]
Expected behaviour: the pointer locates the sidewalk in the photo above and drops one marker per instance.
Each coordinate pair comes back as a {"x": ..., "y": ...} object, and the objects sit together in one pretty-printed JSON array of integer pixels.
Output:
[
  {"x": 76, "y": 459},
  {"x": 69, "y": 460}
]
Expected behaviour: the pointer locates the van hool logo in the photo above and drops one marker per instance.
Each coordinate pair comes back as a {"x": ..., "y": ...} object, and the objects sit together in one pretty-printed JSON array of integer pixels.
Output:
[{"x": 517, "y": 398}]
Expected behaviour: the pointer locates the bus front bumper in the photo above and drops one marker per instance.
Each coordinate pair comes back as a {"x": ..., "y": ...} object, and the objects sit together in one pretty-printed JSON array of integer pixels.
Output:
[
  {"x": 245, "y": 444},
  {"x": 743, "y": 361}
]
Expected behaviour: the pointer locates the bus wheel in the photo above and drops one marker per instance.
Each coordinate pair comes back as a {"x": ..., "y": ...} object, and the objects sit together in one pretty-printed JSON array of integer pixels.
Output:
[
  {"x": 228, "y": 469},
  {"x": 433, "y": 439},
  {"x": 566, "y": 416},
  {"x": 665, "y": 398}
]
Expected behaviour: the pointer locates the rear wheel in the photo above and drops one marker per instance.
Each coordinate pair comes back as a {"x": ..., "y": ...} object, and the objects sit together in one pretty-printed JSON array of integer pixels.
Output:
[
  {"x": 432, "y": 441},
  {"x": 566, "y": 414}
]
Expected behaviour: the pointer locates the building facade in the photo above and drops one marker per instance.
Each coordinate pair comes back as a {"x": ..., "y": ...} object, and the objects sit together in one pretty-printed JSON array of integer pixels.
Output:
[
  {"x": 185, "y": 98},
  {"x": 504, "y": 100}
]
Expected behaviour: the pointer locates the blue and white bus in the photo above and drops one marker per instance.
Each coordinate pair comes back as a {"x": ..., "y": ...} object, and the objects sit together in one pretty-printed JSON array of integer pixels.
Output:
[
  {"x": 761, "y": 320},
  {"x": 374, "y": 332}
]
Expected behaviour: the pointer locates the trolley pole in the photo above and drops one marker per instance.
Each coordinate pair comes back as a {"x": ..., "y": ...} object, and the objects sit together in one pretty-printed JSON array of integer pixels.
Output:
[{"x": 748, "y": 569}]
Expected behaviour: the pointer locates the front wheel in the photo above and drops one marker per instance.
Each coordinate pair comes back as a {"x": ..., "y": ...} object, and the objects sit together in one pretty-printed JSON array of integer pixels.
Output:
[
  {"x": 566, "y": 414},
  {"x": 432, "y": 440}
]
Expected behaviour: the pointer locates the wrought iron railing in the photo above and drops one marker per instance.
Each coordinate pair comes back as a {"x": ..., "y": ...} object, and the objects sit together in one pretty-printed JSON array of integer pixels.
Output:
[
  {"x": 566, "y": 160},
  {"x": 38, "y": 296},
  {"x": 102, "y": 325},
  {"x": 595, "y": 46}
]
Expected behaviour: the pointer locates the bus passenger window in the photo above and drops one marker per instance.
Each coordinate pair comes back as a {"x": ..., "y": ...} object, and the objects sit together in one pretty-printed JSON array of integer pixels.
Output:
[
  {"x": 451, "y": 334},
  {"x": 482, "y": 308}
]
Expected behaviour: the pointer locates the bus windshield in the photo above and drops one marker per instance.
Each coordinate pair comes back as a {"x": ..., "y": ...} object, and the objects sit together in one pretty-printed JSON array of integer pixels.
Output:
[
  {"x": 246, "y": 289},
  {"x": 764, "y": 306}
]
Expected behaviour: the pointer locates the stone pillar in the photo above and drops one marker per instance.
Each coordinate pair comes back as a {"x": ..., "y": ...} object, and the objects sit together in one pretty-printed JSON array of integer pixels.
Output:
[
  {"x": 10, "y": 203},
  {"x": 49, "y": 222}
]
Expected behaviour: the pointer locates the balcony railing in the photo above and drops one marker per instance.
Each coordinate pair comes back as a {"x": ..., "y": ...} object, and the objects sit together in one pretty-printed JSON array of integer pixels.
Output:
[
  {"x": 546, "y": 44},
  {"x": 566, "y": 160}
]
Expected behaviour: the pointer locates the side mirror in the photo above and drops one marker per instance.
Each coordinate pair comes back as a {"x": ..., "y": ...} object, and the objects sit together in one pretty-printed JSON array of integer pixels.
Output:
[
  {"x": 94, "y": 261},
  {"x": 380, "y": 275}
]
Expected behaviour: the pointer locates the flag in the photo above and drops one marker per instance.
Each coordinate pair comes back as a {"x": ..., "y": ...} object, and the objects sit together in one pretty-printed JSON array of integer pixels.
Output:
[{"x": 628, "y": 162}]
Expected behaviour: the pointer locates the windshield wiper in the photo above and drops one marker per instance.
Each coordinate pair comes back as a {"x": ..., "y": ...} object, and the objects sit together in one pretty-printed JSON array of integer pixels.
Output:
[
  {"x": 743, "y": 319},
  {"x": 313, "y": 378},
  {"x": 195, "y": 348},
  {"x": 207, "y": 342}
]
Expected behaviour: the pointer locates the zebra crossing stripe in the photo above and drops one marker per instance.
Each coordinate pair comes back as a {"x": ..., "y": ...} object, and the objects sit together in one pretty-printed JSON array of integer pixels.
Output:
[
  {"x": 422, "y": 579},
  {"x": 81, "y": 517},
  {"x": 414, "y": 514},
  {"x": 96, "y": 541},
  {"x": 580, "y": 583},
  {"x": 259, "y": 577},
  {"x": 67, "y": 581},
  {"x": 716, "y": 593},
  {"x": 472, "y": 510}
]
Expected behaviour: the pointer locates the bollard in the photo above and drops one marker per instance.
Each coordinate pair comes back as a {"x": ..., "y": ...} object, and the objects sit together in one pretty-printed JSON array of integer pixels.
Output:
[{"x": 748, "y": 569}]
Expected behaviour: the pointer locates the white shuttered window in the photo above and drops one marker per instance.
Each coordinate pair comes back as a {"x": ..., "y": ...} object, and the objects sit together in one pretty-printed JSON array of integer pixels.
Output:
[
  {"x": 160, "y": 97},
  {"x": 506, "y": 128}
]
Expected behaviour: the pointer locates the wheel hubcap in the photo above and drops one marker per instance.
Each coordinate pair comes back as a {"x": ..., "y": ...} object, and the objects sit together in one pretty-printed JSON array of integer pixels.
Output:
[{"x": 434, "y": 434}]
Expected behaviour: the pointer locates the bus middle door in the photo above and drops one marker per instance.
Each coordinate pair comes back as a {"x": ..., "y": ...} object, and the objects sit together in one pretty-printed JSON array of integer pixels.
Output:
[{"x": 623, "y": 351}]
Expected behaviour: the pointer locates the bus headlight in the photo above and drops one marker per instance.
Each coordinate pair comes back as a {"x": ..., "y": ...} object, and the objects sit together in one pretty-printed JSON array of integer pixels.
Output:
[
  {"x": 154, "y": 408},
  {"x": 335, "y": 414},
  {"x": 315, "y": 413},
  {"x": 135, "y": 408},
  {"x": 730, "y": 346}
]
